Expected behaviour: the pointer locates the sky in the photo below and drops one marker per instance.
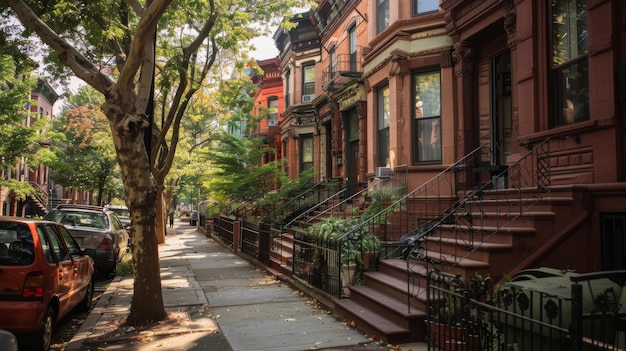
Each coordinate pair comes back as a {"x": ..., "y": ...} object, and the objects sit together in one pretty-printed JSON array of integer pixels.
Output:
[{"x": 265, "y": 48}]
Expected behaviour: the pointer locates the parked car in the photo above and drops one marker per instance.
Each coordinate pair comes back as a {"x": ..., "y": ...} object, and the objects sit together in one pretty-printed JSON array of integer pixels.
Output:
[
  {"x": 122, "y": 213},
  {"x": 44, "y": 274},
  {"x": 94, "y": 227}
]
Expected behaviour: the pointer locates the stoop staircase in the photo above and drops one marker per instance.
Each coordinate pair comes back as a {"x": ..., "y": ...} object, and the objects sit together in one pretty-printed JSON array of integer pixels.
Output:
[{"x": 486, "y": 230}]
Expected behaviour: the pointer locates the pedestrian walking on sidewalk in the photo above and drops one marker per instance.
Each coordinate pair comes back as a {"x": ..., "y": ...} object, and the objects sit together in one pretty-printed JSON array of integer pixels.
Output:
[{"x": 171, "y": 215}]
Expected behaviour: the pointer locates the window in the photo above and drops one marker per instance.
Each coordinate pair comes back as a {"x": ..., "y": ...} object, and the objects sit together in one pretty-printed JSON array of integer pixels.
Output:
[
  {"x": 421, "y": 7},
  {"x": 352, "y": 43},
  {"x": 427, "y": 121},
  {"x": 382, "y": 15},
  {"x": 570, "y": 76},
  {"x": 272, "y": 118},
  {"x": 383, "y": 126},
  {"x": 306, "y": 152},
  {"x": 333, "y": 62},
  {"x": 56, "y": 244},
  {"x": 287, "y": 89},
  {"x": 308, "y": 83}
]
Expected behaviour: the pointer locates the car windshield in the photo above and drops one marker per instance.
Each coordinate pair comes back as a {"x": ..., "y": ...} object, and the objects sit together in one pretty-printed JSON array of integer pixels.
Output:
[
  {"x": 16, "y": 245},
  {"x": 80, "y": 219},
  {"x": 121, "y": 212}
]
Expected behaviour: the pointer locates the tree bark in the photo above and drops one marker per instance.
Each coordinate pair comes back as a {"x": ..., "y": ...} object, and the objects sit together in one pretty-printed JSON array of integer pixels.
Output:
[
  {"x": 161, "y": 215},
  {"x": 147, "y": 302}
]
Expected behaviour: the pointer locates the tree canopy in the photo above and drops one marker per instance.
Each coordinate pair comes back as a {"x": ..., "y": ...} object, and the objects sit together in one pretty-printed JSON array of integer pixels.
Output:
[{"x": 116, "y": 48}]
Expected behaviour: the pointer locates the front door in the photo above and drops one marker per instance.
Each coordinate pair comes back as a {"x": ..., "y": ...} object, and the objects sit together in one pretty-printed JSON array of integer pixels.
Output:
[
  {"x": 352, "y": 151},
  {"x": 501, "y": 110}
]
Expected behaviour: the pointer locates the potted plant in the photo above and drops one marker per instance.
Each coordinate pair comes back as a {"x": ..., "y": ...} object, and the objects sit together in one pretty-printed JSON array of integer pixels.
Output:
[{"x": 358, "y": 250}]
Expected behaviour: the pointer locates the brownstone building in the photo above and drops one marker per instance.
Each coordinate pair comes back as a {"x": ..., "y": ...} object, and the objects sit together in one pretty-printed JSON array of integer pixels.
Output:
[{"x": 506, "y": 119}]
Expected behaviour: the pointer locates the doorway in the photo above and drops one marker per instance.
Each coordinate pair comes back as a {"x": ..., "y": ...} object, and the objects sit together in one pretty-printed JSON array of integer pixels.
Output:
[
  {"x": 352, "y": 151},
  {"x": 501, "y": 112}
]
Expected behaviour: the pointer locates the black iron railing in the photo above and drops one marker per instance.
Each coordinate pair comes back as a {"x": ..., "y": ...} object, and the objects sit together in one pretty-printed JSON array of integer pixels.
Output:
[
  {"x": 342, "y": 69},
  {"x": 225, "y": 229},
  {"x": 519, "y": 187},
  {"x": 555, "y": 311}
]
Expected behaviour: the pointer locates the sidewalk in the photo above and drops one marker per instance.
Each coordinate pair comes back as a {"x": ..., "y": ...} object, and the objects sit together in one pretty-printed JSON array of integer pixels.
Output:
[{"x": 216, "y": 301}]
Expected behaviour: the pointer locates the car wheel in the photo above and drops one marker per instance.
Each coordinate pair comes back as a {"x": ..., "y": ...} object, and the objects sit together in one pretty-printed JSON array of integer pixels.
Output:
[
  {"x": 113, "y": 269},
  {"x": 85, "y": 304},
  {"x": 44, "y": 336}
]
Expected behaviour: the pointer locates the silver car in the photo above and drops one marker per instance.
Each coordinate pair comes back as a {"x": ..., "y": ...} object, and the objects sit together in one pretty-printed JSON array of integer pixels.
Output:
[{"x": 94, "y": 227}]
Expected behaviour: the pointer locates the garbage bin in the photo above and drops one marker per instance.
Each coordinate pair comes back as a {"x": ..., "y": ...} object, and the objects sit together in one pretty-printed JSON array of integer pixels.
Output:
[{"x": 539, "y": 307}]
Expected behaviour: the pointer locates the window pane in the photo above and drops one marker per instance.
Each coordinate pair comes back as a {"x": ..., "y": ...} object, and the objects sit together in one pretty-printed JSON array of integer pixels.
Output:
[
  {"x": 428, "y": 95},
  {"x": 569, "y": 30},
  {"x": 424, "y": 6},
  {"x": 17, "y": 247},
  {"x": 352, "y": 38},
  {"x": 307, "y": 149},
  {"x": 382, "y": 15},
  {"x": 383, "y": 148},
  {"x": 309, "y": 80},
  {"x": 570, "y": 76},
  {"x": 571, "y": 94},
  {"x": 427, "y": 123},
  {"x": 428, "y": 131},
  {"x": 383, "y": 127},
  {"x": 272, "y": 119},
  {"x": 383, "y": 108}
]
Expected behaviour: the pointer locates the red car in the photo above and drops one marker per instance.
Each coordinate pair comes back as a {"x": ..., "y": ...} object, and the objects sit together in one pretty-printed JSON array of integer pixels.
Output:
[{"x": 44, "y": 274}]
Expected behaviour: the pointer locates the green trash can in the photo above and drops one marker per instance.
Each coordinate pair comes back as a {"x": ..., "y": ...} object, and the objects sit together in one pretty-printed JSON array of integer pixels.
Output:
[{"x": 542, "y": 298}]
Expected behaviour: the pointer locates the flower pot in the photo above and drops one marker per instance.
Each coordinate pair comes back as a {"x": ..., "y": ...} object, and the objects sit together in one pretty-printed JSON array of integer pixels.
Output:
[{"x": 347, "y": 275}]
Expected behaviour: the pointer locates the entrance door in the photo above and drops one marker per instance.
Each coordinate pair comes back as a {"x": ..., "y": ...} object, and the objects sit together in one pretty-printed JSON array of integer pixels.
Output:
[
  {"x": 501, "y": 110},
  {"x": 352, "y": 152}
]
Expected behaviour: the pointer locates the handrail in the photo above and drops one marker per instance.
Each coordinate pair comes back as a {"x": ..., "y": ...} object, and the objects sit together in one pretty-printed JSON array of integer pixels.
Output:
[
  {"x": 276, "y": 216},
  {"x": 313, "y": 208},
  {"x": 342, "y": 203},
  {"x": 40, "y": 194},
  {"x": 402, "y": 200},
  {"x": 539, "y": 156},
  {"x": 451, "y": 215}
]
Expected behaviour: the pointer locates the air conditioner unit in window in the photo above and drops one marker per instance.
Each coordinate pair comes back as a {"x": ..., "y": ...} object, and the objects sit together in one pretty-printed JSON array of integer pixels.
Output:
[
  {"x": 383, "y": 172},
  {"x": 308, "y": 98}
]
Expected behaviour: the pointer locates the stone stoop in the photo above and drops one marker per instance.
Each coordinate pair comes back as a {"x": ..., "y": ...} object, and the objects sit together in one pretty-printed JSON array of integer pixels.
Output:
[
  {"x": 380, "y": 306},
  {"x": 281, "y": 255}
]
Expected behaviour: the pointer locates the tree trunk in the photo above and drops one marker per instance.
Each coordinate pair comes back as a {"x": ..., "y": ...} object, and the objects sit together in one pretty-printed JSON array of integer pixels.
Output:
[
  {"x": 141, "y": 195},
  {"x": 147, "y": 302},
  {"x": 161, "y": 215}
]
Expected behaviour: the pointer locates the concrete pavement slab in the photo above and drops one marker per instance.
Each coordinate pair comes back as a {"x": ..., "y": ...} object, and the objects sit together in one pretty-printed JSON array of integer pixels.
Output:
[{"x": 215, "y": 300}]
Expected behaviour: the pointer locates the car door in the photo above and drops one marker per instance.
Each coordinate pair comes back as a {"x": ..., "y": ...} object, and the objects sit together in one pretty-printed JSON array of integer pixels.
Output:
[
  {"x": 82, "y": 265},
  {"x": 66, "y": 276}
]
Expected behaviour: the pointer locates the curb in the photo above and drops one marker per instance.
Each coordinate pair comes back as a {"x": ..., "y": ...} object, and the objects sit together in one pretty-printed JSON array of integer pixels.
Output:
[{"x": 94, "y": 316}]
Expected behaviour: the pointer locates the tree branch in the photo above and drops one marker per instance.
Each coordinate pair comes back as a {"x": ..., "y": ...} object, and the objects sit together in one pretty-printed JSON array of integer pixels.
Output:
[{"x": 81, "y": 66}]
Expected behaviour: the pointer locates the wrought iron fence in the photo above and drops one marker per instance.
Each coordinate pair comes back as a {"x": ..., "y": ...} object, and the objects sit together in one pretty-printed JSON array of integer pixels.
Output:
[
  {"x": 317, "y": 263},
  {"x": 565, "y": 311},
  {"x": 225, "y": 229},
  {"x": 250, "y": 238}
]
